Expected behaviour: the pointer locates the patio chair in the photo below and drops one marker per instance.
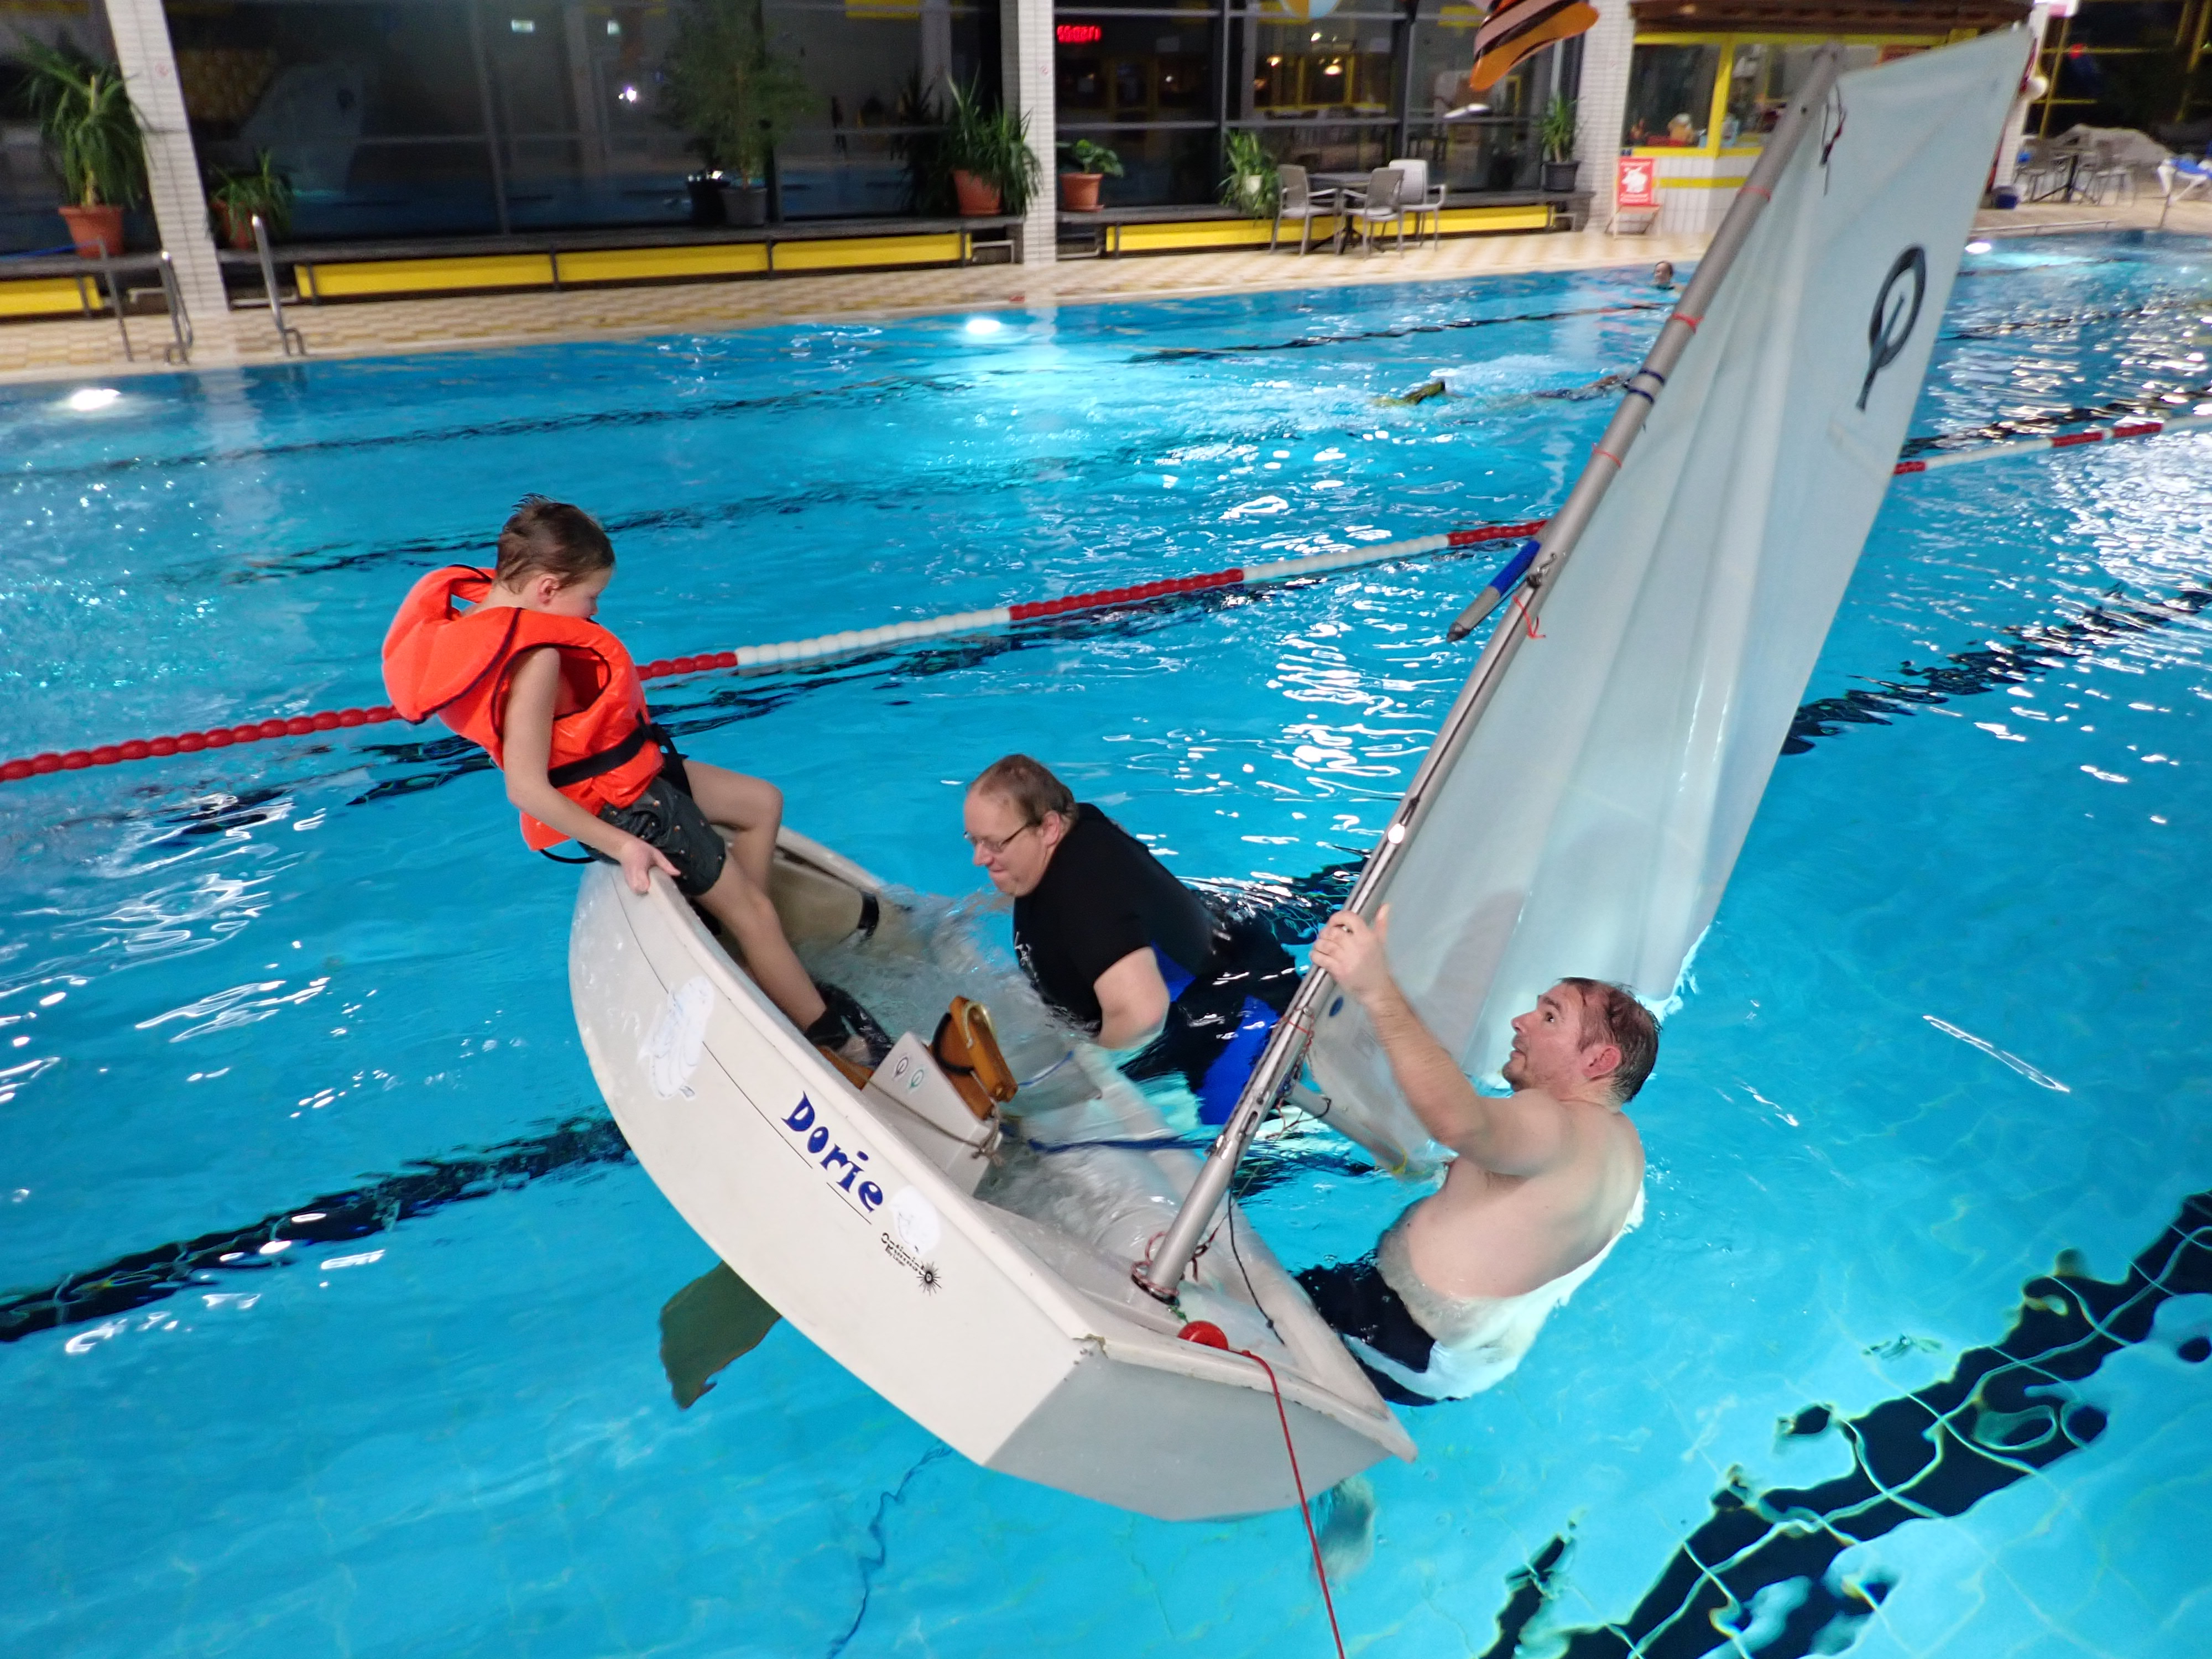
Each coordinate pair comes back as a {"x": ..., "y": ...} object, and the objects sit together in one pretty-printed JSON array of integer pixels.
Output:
[
  {"x": 1419, "y": 199},
  {"x": 2041, "y": 173},
  {"x": 1377, "y": 204},
  {"x": 2181, "y": 177},
  {"x": 1298, "y": 200},
  {"x": 2104, "y": 176}
]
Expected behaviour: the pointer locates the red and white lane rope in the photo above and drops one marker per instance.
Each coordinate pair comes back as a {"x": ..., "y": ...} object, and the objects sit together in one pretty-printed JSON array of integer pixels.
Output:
[
  {"x": 849, "y": 642},
  {"x": 854, "y": 641},
  {"x": 1935, "y": 460}
]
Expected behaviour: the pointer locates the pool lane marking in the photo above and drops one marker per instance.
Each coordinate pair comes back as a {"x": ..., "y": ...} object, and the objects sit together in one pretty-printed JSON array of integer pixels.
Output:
[
  {"x": 855, "y": 641},
  {"x": 1937, "y": 1452},
  {"x": 144, "y": 1277}
]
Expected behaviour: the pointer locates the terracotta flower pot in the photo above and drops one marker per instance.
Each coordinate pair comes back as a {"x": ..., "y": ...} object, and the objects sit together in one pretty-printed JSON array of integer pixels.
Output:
[
  {"x": 94, "y": 226},
  {"x": 1079, "y": 191},
  {"x": 237, "y": 227},
  {"x": 979, "y": 197}
]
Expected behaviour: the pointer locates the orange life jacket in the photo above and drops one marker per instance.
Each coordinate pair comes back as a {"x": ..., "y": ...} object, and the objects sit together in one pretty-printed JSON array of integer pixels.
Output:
[{"x": 457, "y": 664}]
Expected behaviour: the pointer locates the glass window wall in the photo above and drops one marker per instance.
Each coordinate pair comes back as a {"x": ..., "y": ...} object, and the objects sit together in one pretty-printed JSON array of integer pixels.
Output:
[
  {"x": 1670, "y": 95},
  {"x": 422, "y": 117},
  {"x": 1342, "y": 92},
  {"x": 30, "y": 189}
]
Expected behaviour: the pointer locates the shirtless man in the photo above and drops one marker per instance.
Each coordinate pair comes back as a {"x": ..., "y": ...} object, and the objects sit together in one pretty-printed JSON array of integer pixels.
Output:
[{"x": 1543, "y": 1182}]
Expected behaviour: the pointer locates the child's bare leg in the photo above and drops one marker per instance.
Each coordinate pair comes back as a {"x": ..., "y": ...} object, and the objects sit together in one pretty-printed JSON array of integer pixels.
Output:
[
  {"x": 749, "y": 807},
  {"x": 741, "y": 905}
]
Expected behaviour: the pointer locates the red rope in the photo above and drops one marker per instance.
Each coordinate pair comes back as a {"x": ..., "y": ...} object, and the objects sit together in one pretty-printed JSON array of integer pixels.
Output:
[
  {"x": 1207, "y": 1334},
  {"x": 1305, "y": 1514}
]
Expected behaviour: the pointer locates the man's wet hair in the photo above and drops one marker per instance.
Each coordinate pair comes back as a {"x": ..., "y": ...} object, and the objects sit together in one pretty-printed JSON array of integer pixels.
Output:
[
  {"x": 1029, "y": 785},
  {"x": 552, "y": 537},
  {"x": 1612, "y": 1014}
]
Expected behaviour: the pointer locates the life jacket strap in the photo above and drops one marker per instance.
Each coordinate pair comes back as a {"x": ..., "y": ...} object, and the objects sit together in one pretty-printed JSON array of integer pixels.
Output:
[{"x": 606, "y": 760}]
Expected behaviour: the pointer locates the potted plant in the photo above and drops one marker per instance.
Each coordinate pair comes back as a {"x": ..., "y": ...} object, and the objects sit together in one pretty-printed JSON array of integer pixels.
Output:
[
  {"x": 237, "y": 196},
  {"x": 920, "y": 146},
  {"x": 736, "y": 98},
  {"x": 85, "y": 115},
  {"x": 1093, "y": 165},
  {"x": 987, "y": 152},
  {"x": 1555, "y": 131},
  {"x": 1251, "y": 185}
]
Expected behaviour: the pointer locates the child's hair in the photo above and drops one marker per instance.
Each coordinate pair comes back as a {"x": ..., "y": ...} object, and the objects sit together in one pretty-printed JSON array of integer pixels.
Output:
[{"x": 554, "y": 537}]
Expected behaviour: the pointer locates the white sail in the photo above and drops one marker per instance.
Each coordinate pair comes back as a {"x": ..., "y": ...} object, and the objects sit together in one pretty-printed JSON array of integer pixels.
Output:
[{"x": 1590, "y": 823}]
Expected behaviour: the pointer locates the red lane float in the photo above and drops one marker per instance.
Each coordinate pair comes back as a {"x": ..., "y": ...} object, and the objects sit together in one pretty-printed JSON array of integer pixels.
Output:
[
  {"x": 2139, "y": 429},
  {"x": 192, "y": 742}
]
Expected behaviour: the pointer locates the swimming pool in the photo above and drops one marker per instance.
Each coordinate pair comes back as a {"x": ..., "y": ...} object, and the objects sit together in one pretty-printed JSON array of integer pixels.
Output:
[{"x": 1943, "y": 1031}]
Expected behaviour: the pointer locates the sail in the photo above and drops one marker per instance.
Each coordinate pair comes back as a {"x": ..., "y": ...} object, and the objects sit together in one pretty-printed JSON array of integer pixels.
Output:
[{"x": 1589, "y": 822}]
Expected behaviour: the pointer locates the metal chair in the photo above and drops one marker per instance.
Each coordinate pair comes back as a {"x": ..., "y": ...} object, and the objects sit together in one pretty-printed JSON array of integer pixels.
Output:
[
  {"x": 1378, "y": 204},
  {"x": 2041, "y": 173},
  {"x": 1419, "y": 199},
  {"x": 2106, "y": 176},
  {"x": 1296, "y": 199}
]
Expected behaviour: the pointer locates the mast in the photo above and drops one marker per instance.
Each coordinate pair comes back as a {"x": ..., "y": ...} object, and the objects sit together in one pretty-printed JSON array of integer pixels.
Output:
[{"x": 1287, "y": 1047}]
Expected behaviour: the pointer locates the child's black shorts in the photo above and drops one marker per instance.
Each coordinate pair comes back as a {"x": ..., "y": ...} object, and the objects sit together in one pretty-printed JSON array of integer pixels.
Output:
[{"x": 666, "y": 817}]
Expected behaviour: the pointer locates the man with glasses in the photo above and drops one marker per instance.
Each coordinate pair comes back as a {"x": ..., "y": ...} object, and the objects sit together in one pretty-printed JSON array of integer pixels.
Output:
[{"x": 1103, "y": 929}]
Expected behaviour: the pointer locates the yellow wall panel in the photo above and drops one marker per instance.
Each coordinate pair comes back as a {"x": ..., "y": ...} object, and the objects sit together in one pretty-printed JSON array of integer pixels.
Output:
[
  {"x": 638, "y": 264},
  {"x": 432, "y": 276},
  {"x": 845, "y": 252},
  {"x": 1208, "y": 232},
  {"x": 1512, "y": 218},
  {"x": 47, "y": 297}
]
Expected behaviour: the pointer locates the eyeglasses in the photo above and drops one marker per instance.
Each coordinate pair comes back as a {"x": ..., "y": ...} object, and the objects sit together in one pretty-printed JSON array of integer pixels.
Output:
[{"x": 993, "y": 846}]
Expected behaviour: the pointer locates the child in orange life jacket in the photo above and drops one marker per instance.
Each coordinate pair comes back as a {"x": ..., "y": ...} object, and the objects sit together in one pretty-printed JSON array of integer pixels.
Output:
[{"x": 527, "y": 673}]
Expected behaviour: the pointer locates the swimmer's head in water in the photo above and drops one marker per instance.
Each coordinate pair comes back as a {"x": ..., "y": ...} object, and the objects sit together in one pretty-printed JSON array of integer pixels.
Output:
[
  {"x": 1663, "y": 273},
  {"x": 1015, "y": 815},
  {"x": 1581, "y": 1031}
]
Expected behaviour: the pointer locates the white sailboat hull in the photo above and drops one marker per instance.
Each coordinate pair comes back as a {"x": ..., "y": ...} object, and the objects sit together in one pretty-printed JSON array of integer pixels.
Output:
[{"x": 1024, "y": 1349}]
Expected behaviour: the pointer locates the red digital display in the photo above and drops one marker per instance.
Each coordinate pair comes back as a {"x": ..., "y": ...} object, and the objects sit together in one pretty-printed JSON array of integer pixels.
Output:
[{"x": 1078, "y": 34}]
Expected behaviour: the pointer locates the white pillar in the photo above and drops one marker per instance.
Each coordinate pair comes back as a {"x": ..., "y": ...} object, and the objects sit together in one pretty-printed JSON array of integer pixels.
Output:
[
  {"x": 1025, "y": 66},
  {"x": 2038, "y": 19},
  {"x": 584, "y": 88},
  {"x": 936, "y": 47},
  {"x": 1601, "y": 104},
  {"x": 173, "y": 172}
]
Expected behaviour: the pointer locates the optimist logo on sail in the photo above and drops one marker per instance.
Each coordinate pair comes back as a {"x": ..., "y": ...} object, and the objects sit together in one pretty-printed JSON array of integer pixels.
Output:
[{"x": 1895, "y": 317}]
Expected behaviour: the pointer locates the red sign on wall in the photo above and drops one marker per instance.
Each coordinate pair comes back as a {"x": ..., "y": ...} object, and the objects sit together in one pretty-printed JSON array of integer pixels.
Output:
[
  {"x": 1638, "y": 183},
  {"x": 1077, "y": 34}
]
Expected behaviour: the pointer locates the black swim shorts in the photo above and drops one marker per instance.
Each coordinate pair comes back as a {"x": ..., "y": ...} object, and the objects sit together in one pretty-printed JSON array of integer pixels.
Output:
[
  {"x": 666, "y": 817},
  {"x": 1356, "y": 1300}
]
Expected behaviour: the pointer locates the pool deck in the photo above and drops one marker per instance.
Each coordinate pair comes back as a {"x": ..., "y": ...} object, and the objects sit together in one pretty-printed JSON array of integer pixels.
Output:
[{"x": 76, "y": 349}]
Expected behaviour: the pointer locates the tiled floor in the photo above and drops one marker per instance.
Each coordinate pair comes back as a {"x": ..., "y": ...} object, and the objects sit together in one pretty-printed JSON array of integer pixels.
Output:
[
  {"x": 69, "y": 350},
  {"x": 61, "y": 350}
]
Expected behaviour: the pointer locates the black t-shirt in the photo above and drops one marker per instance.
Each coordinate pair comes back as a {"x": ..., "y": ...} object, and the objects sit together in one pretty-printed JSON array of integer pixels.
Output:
[{"x": 1104, "y": 896}]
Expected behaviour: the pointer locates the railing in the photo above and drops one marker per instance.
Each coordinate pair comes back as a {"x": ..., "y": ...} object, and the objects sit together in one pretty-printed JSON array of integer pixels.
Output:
[
  {"x": 295, "y": 343},
  {"x": 180, "y": 349}
]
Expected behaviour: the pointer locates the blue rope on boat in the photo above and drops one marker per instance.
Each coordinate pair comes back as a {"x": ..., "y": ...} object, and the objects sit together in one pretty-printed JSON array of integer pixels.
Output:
[{"x": 1151, "y": 1144}]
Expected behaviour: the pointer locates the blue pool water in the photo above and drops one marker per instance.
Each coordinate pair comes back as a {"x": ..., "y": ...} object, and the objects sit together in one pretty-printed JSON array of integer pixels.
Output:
[{"x": 1947, "y": 1026}]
